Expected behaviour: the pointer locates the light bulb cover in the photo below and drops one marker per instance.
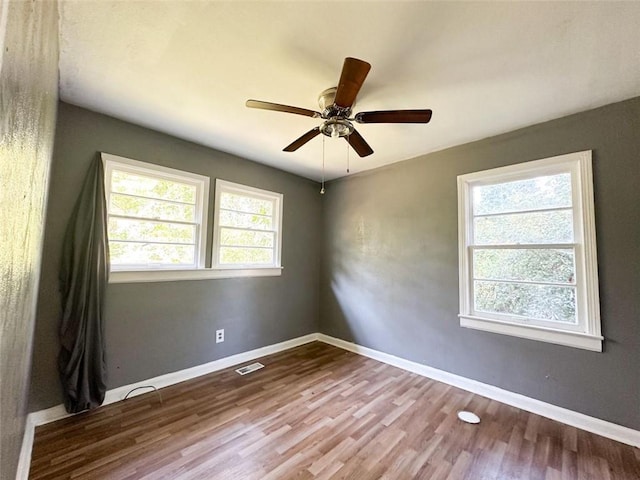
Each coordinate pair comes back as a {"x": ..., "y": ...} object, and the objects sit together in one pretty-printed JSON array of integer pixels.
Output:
[{"x": 336, "y": 127}]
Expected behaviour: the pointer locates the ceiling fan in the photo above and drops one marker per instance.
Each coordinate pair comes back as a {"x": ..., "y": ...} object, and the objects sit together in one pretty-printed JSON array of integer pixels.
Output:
[{"x": 336, "y": 104}]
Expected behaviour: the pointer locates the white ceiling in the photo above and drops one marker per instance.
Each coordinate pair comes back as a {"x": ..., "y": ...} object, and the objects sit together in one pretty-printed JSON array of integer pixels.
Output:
[{"x": 187, "y": 68}]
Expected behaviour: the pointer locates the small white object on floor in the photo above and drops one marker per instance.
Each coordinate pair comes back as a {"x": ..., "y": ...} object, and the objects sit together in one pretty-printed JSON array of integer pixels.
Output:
[{"x": 468, "y": 417}]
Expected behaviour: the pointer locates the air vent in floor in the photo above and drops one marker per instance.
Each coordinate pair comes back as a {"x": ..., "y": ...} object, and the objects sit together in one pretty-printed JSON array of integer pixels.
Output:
[{"x": 249, "y": 368}]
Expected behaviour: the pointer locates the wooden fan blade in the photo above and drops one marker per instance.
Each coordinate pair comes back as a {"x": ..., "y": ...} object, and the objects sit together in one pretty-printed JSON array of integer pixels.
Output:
[
  {"x": 354, "y": 72},
  {"x": 359, "y": 144},
  {"x": 281, "y": 108},
  {"x": 394, "y": 116},
  {"x": 302, "y": 140}
]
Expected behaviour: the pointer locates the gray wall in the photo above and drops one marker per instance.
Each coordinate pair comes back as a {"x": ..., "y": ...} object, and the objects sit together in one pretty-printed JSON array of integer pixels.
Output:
[
  {"x": 157, "y": 328},
  {"x": 390, "y": 266},
  {"x": 389, "y": 270},
  {"x": 28, "y": 100}
]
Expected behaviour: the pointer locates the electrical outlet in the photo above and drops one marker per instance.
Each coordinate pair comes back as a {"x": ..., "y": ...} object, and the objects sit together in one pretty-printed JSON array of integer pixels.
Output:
[{"x": 220, "y": 335}]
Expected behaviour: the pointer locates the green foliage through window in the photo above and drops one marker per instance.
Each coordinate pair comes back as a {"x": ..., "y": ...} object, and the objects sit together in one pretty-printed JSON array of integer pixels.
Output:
[
  {"x": 248, "y": 225},
  {"x": 152, "y": 219},
  {"x": 536, "y": 282}
]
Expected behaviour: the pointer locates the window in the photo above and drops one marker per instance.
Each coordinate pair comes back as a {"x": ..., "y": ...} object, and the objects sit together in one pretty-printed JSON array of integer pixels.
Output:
[
  {"x": 528, "y": 263},
  {"x": 248, "y": 222},
  {"x": 157, "y": 225},
  {"x": 157, "y": 216}
]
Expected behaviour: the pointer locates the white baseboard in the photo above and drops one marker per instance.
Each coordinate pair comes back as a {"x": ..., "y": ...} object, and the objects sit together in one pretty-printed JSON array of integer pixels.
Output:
[
  {"x": 58, "y": 412},
  {"x": 563, "y": 415},
  {"x": 24, "y": 462},
  {"x": 162, "y": 381}
]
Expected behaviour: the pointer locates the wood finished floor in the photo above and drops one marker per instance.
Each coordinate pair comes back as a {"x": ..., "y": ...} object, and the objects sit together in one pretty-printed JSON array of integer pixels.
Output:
[{"x": 318, "y": 412}]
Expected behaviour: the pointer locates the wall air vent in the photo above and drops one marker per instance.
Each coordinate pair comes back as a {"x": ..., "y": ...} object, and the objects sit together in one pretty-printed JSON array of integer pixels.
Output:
[{"x": 249, "y": 368}]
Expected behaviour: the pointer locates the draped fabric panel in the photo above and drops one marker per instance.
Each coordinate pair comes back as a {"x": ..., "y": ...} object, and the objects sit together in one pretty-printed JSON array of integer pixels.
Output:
[{"x": 83, "y": 279}]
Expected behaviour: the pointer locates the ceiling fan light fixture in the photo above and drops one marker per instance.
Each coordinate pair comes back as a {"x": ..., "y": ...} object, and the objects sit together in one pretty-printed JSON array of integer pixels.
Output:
[{"x": 336, "y": 128}]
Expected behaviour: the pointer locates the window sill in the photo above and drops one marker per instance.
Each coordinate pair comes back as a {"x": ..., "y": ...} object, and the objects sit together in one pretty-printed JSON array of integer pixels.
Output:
[
  {"x": 532, "y": 332},
  {"x": 137, "y": 276}
]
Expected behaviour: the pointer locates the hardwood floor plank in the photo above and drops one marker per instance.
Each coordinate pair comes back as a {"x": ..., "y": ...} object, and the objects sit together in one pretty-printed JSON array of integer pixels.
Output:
[
  {"x": 330, "y": 457},
  {"x": 316, "y": 412}
]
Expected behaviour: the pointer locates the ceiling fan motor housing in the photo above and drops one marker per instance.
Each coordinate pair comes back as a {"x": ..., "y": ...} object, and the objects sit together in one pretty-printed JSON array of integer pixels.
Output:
[
  {"x": 337, "y": 123},
  {"x": 326, "y": 100}
]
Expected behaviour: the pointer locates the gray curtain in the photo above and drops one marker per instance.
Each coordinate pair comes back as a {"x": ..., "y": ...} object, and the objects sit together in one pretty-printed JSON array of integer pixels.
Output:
[{"x": 83, "y": 279}]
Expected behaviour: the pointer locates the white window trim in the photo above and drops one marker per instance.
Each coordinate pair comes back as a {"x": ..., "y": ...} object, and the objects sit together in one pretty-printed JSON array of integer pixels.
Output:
[
  {"x": 226, "y": 186},
  {"x": 148, "y": 276},
  {"x": 588, "y": 300}
]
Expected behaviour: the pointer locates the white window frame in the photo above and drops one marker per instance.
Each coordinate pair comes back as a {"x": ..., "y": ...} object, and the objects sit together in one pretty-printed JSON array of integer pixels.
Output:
[
  {"x": 224, "y": 186},
  {"x": 201, "y": 184},
  {"x": 587, "y": 334}
]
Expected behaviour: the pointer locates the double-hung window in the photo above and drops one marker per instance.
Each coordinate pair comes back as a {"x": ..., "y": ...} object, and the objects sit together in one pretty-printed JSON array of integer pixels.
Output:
[
  {"x": 157, "y": 216},
  {"x": 247, "y": 227},
  {"x": 528, "y": 263}
]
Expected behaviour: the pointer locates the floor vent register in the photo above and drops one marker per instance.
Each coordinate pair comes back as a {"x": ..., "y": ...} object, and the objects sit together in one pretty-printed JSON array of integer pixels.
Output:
[{"x": 249, "y": 368}]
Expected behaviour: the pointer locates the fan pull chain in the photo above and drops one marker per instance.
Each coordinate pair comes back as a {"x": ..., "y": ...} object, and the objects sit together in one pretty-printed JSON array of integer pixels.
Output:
[
  {"x": 348, "y": 145},
  {"x": 322, "y": 189}
]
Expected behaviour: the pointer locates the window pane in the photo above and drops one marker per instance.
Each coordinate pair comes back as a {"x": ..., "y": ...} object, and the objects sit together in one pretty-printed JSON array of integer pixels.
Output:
[
  {"x": 543, "y": 302},
  {"x": 124, "y": 182},
  {"x": 143, "y": 254},
  {"x": 245, "y": 220},
  {"x": 537, "y": 227},
  {"x": 246, "y": 256},
  {"x": 551, "y": 191},
  {"x": 246, "y": 238},
  {"x": 124, "y": 229},
  {"x": 541, "y": 265},
  {"x": 147, "y": 208},
  {"x": 231, "y": 201}
]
